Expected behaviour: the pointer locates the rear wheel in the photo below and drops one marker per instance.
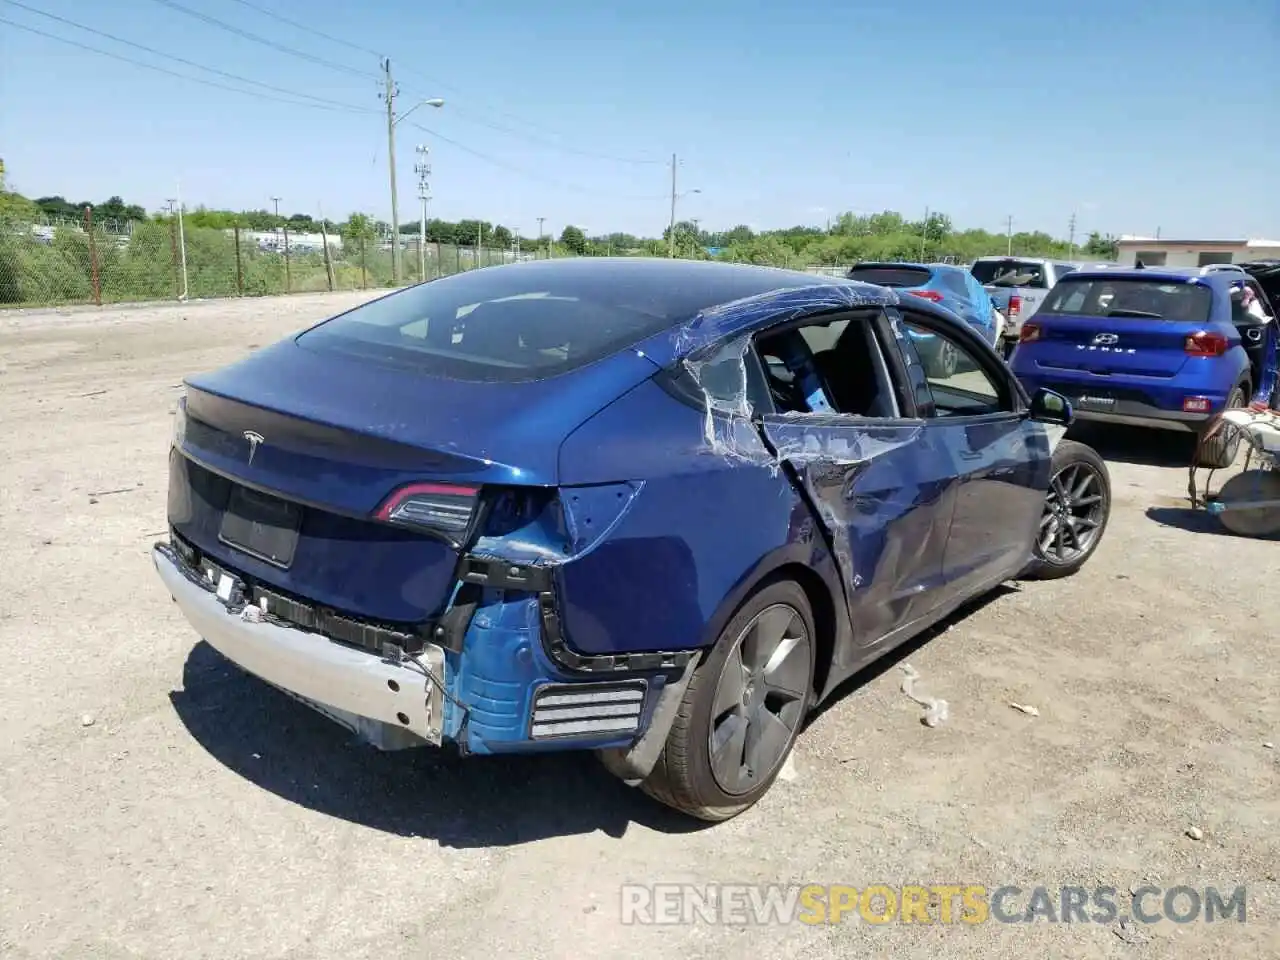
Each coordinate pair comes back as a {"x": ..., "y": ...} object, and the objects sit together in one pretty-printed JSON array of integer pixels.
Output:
[
  {"x": 1220, "y": 450},
  {"x": 742, "y": 709},
  {"x": 1077, "y": 507}
]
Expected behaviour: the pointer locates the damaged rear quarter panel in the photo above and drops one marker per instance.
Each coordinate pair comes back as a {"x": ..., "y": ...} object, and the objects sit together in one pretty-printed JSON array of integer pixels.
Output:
[{"x": 702, "y": 529}]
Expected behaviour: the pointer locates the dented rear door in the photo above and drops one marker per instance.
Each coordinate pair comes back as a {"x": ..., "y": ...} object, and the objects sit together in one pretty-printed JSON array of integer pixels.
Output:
[{"x": 883, "y": 491}]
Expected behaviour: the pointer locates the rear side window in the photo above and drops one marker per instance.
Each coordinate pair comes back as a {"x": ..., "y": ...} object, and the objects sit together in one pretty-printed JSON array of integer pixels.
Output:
[
  {"x": 1152, "y": 299},
  {"x": 1010, "y": 272},
  {"x": 484, "y": 329},
  {"x": 891, "y": 276}
]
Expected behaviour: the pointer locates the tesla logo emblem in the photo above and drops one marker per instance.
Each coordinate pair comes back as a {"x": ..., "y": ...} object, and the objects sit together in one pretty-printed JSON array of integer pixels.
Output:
[
  {"x": 1105, "y": 339},
  {"x": 254, "y": 439}
]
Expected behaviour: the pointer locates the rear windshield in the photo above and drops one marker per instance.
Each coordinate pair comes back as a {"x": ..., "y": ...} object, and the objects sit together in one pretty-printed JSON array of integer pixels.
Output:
[
  {"x": 1187, "y": 302},
  {"x": 1010, "y": 273},
  {"x": 891, "y": 276},
  {"x": 499, "y": 325}
]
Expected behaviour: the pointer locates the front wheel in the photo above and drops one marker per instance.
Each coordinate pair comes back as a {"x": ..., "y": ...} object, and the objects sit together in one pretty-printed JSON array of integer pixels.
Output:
[
  {"x": 742, "y": 710},
  {"x": 1077, "y": 507},
  {"x": 944, "y": 360}
]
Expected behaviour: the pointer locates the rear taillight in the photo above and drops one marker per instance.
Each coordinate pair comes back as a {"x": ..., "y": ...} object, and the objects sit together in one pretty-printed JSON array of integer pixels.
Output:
[
  {"x": 1205, "y": 343},
  {"x": 933, "y": 296},
  {"x": 1029, "y": 332},
  {"x": 1196, "y": 404},
  {"x": 443, "y": 508},
  {"x": 1015, "y": 305}
]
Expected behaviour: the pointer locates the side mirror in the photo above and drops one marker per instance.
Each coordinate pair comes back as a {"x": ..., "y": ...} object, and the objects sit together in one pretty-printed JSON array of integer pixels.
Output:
[{"x": 1049, "y": 406}]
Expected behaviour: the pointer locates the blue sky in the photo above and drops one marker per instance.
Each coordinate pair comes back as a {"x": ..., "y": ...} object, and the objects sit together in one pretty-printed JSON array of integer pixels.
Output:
[{"x": 1137, "y": 116}]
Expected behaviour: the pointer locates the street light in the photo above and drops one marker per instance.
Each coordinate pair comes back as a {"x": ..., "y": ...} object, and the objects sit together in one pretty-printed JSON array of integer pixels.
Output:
[
  {"x": 276, "y": 201},
  {"x": 392, "y": 120}
]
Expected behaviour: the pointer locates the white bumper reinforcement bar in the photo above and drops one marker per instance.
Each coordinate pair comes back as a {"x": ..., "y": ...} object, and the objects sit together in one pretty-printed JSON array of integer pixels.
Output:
[{"x": 377, "y": 698}]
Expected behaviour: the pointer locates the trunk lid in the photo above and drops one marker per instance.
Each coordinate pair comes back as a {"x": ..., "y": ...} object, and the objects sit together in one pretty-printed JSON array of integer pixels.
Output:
[
  {"x": 285, "y": 457},
  {"x": 1110, "y": 346}
]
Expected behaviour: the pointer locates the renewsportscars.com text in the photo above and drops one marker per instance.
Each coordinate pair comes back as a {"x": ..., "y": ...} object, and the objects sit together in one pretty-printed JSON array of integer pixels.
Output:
[{"x": 814, "y": 904}]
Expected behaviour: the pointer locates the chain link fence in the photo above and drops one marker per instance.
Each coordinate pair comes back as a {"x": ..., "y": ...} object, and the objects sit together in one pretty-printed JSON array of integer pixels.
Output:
[{"x": 69, "y": 263}]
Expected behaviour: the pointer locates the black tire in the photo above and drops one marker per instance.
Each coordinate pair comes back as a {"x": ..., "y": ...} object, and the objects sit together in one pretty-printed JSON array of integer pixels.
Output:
[
  {"x": 1071, "y": 459},
  {"x": 1219, "y": 451},
  {"x": 943, "y": 361},
  {"x": 683, "y": 777}
]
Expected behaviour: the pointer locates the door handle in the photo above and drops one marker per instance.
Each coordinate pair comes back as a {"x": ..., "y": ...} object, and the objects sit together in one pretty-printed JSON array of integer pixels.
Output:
[{"x": 970, "y": 454}]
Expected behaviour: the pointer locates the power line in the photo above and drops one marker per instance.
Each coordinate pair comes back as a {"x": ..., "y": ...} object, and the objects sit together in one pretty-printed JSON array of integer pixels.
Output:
[
  {"x": 302, "y": 55},
  {"x": 333, "y": 104},
  {"x": 306, "y": 29},
  {"x": 523, "y": 172},
  {"x": 573, "y": 150},
  {"x": 450, "y": 88},
  {"x": 159, "y": 69}
]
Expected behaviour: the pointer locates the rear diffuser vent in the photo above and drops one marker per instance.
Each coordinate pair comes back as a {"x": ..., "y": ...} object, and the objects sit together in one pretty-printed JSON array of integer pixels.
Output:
[{"x": 586, "y": 709}]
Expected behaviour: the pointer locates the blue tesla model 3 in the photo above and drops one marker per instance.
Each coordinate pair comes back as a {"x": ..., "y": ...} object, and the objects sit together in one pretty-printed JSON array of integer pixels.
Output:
[{"x": 655, "y": 509}]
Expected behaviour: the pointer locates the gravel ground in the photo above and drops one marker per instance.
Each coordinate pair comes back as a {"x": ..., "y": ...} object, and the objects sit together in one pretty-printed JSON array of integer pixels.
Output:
[{"x": 157, "y": 802}]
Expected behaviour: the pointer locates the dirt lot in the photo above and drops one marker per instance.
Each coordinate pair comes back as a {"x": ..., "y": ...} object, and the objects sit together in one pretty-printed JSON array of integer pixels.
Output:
[{"x": 157, "y": 802}]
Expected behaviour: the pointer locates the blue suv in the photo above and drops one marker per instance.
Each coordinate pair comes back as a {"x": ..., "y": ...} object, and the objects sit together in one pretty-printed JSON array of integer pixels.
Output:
[
  {"x": 1159, "y": 347},
  {"x": 946, "y": 285}
]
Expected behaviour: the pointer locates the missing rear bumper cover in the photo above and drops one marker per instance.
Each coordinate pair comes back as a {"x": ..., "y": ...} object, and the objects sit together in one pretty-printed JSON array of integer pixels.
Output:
[{"x": 538, "y": 579}]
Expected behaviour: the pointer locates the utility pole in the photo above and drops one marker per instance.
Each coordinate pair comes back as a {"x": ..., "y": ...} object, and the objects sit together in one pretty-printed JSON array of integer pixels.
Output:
[
  {"x": 540, "y": 219},
  {"x": 479, "y": 239},
  {"x": 1071, "y": 237},
  {"x": 1008, "y": 225},
  {"x": 515, "y": 242},
  {"x": 924, "y": 233},
  {"x": 390, "y": 96},
  {"x": 276, "y": 202},
  {"x": 672, "y": 237},
  {"x": 423, "y": 169}
]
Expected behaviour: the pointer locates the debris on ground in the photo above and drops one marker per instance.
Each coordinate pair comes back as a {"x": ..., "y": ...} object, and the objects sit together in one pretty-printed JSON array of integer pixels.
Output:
[
  {"x": 1129, "y": 933},
  {"x": 1026, "y": 708},
  {"x": 935, "y": 711},
  {"x": 86, "y": 720},
  {"x": 1268, "y": 745},
  {"x": 1195, "y": 833}
]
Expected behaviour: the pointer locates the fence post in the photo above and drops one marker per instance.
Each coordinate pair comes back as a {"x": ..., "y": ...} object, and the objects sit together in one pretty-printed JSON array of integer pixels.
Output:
[
  {"x": 239, "y": 266},
  {"x": 93, "y": 255},
  {"x": 173, "y": 245},
  {"x": 435, "y": 267},
  {"x": 457, "y": 258},
  {"x": 328, "y": 264},
  {"x": 288, "y": 273},
  {"x": 364, "y": 267}
]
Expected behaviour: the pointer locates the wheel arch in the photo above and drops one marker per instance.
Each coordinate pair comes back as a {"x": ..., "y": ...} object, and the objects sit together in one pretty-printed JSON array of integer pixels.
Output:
[{"x": 818, "y": 578}]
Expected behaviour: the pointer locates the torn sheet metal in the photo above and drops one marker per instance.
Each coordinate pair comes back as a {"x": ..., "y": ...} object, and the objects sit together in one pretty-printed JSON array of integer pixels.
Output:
[{"x": 777, "y": 306}]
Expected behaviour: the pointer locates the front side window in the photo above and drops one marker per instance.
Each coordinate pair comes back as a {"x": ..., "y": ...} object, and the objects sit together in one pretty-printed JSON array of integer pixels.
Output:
[{"x": 958, "y": 383}]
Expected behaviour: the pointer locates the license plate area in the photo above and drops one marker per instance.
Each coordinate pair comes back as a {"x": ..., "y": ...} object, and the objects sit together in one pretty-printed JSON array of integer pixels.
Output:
[{"x": 262, "y": 526}]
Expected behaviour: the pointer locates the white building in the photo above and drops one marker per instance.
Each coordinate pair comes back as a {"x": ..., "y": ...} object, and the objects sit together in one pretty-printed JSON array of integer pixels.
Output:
[{"x": 1158, "y": 252}]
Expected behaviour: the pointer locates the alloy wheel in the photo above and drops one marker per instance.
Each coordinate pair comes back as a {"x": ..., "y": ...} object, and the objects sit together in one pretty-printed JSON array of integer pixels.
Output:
[
  {"x": 948, "y": 360},
  {"x": 760, "y": 699},
  {"x": 1074, "y": 510}
]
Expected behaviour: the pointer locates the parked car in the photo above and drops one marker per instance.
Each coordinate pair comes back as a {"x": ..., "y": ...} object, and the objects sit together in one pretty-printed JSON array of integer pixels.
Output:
[
  {"x": 1160, "y": 347},
  {"x": 539, "y": 507},
  {"x": 1018, "y": 285},
  {"x": 944, "y": 284}
]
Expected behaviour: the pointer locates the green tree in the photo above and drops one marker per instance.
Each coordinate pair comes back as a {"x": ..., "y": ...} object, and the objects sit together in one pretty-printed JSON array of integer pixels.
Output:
[
  {"x": 574, "y": 239},
  {"x": 358, "y": 229},
  {"x": 1101, "y": 247}
]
